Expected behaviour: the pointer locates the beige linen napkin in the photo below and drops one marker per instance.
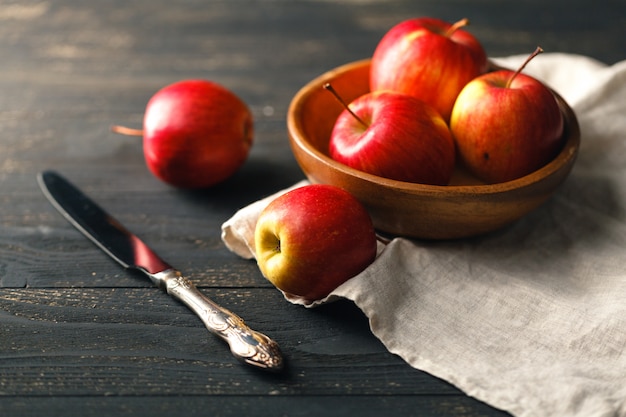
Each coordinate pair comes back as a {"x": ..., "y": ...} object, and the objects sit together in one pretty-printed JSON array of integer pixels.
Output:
[{"x": 530, "y": 319}]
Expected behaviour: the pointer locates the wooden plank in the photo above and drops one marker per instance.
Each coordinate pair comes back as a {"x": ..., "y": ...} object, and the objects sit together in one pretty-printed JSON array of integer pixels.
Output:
[
  {"x": 140, "y": 342},
  {"x": 65, "y": 258},
  {"x": 238, "y": 405}
]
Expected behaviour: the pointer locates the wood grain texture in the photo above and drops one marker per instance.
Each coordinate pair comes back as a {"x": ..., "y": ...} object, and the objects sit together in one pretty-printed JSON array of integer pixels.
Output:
[
  {"x": 81, "y": 336},
  {"x": 141, "y": 342}
]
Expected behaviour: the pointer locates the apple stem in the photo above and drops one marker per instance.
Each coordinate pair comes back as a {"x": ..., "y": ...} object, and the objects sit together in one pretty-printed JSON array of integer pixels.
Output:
[
  {"x": 128, "y": 131},
  {"x": 521, "y": 68},
  {"x": 330, "y": 88},
  {"x": 461, "y": 23}
]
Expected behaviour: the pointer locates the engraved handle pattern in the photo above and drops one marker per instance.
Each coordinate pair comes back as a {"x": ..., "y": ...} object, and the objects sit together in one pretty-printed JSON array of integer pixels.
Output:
[{"x": 247, "y": 345}]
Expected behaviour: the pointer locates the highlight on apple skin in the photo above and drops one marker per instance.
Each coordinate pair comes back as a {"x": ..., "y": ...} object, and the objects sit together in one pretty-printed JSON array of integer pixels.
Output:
[{"x": 312, "y": 239}]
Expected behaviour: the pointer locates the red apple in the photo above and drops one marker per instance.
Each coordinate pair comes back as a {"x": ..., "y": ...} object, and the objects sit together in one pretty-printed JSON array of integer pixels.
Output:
[
  {"x": 428, "y": 58},
  {"x": 311, "y": 239},
  {"x": 196, "y": 133},
  {"x": 395, "y": 136},
  {"x": 506, "y": 125}
]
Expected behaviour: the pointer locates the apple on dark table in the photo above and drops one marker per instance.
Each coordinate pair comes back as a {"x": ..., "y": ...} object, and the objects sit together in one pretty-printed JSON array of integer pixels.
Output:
[
  {"x": 196, "y": 133},
  {"x": 310, "y": 240}
]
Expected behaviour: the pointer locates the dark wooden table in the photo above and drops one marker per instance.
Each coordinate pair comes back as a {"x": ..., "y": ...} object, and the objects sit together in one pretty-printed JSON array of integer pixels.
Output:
[{"x": 81, "y": 336}]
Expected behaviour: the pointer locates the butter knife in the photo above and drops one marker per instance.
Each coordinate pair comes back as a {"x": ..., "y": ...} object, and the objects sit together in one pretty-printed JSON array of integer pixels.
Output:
[{"x": 247, "y": 345}]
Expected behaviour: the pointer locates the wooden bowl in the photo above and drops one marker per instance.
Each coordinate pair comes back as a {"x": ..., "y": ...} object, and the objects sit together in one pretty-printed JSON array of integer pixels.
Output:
[{"x": 466, "y": 207}]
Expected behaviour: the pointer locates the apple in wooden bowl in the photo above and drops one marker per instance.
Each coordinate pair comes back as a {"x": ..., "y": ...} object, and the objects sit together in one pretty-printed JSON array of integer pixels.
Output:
[{"x": 464, "y": 207}]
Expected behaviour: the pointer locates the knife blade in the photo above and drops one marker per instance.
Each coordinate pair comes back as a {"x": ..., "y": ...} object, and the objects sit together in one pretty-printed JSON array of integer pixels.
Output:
[{"x": 247, "y": 345}]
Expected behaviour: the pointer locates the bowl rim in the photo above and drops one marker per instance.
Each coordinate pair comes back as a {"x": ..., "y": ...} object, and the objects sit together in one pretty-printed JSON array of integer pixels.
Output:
[{"x": 564, "y": 157}]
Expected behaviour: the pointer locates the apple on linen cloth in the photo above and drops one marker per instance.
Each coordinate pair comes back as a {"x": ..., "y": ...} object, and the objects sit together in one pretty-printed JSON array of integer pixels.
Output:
[{"x": 530, "y": 319}]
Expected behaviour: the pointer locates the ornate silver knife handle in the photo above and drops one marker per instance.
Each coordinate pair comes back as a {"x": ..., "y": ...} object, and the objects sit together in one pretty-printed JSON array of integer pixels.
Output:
[
  {"x": 247, "y": 345},
  {"x": 128, "y": 250}
]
